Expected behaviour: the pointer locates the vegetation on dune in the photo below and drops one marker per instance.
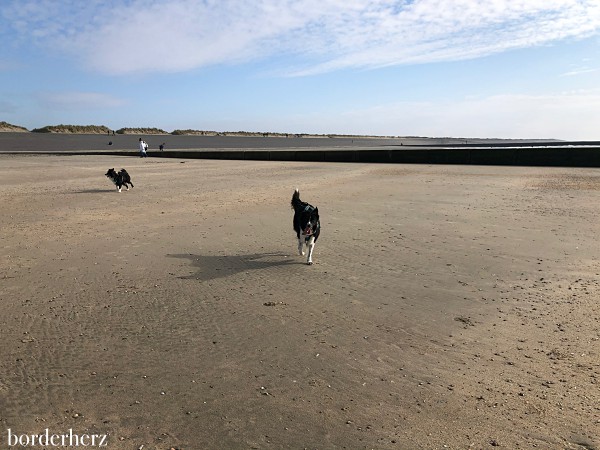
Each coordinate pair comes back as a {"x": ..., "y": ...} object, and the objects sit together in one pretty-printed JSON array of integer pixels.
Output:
[
  {"x": 141, "y": 131},
  {"x": 194, "y": 133},
  {"x": 102, "y": 129},
  {"x": 265, "y": 134},
  {"x": 223, "y": 133},
  {"x": 233, "y": 133},
  {"x": 5, "y": 126},
  {"x": 95, "y": 129},
  {"x": 73, "y": 129}
]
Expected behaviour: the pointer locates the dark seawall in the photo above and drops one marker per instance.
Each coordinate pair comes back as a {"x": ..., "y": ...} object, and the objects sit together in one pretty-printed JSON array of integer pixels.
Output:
[{"x": 571, "y": 157}]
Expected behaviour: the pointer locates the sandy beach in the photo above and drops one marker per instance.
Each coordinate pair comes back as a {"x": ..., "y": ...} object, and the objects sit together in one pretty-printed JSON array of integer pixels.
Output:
[{"x": 448, "y": 307}]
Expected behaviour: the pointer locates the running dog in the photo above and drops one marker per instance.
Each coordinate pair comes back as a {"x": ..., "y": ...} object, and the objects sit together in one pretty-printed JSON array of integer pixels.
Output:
[
  {"x": 120, "y": 178},
  {"x": 306, "y": 225}
]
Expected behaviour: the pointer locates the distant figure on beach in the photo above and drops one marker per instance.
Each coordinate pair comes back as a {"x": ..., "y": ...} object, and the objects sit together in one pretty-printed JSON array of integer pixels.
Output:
[
  {"x": 161, "y": 147},
  {"x": 143, "y": 148}
]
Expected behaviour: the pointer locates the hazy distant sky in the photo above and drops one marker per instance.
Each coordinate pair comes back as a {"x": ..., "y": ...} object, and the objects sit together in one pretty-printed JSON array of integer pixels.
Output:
[{"x": 462, "y": 68}]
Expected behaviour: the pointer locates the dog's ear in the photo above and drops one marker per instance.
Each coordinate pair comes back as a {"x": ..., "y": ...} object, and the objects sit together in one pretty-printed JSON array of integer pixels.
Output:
[{"x": 317, "y": 211}]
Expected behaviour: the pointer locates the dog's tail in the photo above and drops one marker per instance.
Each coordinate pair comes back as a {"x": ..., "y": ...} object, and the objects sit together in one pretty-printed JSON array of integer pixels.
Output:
[{"x": 295, "y": 198}]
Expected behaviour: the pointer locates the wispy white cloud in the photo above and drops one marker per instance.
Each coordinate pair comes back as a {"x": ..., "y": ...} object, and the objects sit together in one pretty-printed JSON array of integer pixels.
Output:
[
  {"x": 581, "y": 71},
  {"x": 129, "y": 36},
  {"x": 78, "y": 100}
]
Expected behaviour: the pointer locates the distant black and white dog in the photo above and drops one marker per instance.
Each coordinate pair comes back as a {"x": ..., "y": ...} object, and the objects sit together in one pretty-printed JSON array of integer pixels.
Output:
[
  {"x": 306, "y": 225},
  {"x": 120, "y": 178}
]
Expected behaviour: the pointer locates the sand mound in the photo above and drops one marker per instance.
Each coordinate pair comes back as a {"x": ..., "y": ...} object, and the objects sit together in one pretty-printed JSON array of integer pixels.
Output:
[{"x": 6, "y": 127}]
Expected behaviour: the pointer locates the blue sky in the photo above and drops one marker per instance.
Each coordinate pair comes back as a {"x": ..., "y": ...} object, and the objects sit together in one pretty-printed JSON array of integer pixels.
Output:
[{"x": 461, "y": 68}]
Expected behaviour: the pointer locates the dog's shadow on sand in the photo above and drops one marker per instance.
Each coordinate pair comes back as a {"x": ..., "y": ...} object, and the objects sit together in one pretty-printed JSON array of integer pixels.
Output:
[
  {"x": 94, "y": 191},
  {"x": 211, "y": 267}
]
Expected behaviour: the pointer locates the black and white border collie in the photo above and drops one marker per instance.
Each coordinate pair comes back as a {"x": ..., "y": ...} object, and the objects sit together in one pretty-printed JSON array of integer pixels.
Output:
[
  {"x": 120, "y": 178},
  {"x": 306, "y": 225}
]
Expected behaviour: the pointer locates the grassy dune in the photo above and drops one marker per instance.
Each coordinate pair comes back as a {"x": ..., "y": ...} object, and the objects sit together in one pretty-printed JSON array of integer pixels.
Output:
[
  {"x": 103, "y": 129},
  {"x": 10, "y": 128},
  {"x": 73, "y": 129}
]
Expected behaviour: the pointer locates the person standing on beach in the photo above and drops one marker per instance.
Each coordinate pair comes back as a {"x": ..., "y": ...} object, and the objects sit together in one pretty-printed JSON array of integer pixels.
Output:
[
  {"x": 161, "y": 147},
  {"x": 143, "y": 148}
]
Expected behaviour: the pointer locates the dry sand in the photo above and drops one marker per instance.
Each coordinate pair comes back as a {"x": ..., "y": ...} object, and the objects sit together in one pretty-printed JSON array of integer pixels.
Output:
[{"x": 448, "y": 306}]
